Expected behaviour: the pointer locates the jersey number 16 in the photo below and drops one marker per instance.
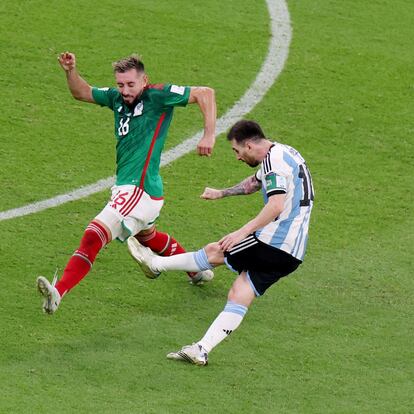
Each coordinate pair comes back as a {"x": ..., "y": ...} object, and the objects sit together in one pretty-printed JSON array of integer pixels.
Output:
[{"x": 123, "y": 127}]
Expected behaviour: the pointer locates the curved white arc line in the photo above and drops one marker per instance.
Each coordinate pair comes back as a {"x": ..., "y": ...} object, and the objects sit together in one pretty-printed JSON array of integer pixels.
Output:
[
  {"x": 275, "y": 60},
  {"x": 276, "y": 57}
]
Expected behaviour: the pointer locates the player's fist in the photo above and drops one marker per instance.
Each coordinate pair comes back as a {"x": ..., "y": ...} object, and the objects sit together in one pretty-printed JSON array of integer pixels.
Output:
[
  {"x": 206, "y": 144},
  {"x": 211, "y": 194},
  {"x": 67, "y": 60}
]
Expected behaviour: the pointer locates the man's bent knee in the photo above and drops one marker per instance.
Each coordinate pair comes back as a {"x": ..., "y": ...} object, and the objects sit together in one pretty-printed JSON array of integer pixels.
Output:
[
  {"x": 107, "y": 229},
  {"x": 214, "y": 254},
  {"x": 241, "y": 292}
]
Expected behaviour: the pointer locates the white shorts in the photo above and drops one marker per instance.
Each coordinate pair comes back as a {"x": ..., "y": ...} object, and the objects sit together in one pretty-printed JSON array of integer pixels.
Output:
[{"x": 129, "y": 211}]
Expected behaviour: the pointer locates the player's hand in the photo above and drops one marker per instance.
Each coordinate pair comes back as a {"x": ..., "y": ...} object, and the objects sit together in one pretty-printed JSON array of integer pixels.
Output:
[
  {"x": 229, "y": 241},
  {"x": 67, "y": 60},
  {"x": 205, "y": 146},
  {"x": 211, "y": 194}
]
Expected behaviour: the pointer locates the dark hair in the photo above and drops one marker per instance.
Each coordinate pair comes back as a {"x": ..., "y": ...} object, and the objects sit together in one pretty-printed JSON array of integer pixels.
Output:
[
  {"x": 243, "y": 130},
  {"x": 128, "y": 63}
]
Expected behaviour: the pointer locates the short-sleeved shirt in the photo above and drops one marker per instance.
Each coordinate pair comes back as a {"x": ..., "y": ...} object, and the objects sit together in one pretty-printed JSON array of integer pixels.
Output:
[
  {"x": 141, "y": 131},
  {"x": 284, "y": 171}
]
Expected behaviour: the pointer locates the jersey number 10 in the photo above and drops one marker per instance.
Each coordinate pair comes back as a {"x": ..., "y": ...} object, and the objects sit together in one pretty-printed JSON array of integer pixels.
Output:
[{"x": 304, "y": 174}]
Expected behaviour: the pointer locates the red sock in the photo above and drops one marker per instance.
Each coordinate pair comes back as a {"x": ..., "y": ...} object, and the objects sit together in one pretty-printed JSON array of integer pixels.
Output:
[
  {"x": 94, "y": 238},
  {"x": 162, "y": 244}
]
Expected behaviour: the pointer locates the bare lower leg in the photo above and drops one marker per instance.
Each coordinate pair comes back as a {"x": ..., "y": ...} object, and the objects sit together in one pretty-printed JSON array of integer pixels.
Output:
[{"x": 241, "y": 291}]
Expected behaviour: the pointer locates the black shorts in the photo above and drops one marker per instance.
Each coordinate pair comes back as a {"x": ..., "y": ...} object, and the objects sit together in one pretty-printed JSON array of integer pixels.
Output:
[{"x": 264, "y": 264}]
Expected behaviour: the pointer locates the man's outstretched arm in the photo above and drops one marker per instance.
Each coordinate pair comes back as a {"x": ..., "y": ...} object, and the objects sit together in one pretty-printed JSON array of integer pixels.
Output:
[
  {"x": 206, "y": 100},
  {"x": 248, "y": 186},
  {"x": 78, "y": 87}
]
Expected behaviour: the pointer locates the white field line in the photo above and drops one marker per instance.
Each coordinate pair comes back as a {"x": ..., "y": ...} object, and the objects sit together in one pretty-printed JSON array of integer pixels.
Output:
[{"x": 272, "y": 66}]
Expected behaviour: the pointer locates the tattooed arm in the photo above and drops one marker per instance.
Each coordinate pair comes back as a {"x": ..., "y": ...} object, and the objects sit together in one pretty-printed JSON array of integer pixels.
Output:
[{"x": 247, "y": 186}]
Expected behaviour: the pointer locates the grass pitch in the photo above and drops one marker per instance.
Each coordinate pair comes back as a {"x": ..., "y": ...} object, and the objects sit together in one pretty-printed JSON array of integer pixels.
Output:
[{"x": 336, "y": 337}]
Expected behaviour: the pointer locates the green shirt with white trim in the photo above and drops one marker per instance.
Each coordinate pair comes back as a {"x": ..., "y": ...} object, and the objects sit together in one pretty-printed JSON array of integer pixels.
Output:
[{"x": 141, "y": 131}]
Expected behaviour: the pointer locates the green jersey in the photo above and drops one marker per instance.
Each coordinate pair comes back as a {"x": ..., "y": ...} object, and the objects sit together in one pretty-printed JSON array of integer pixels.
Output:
[{"x": 141, "y": 131}]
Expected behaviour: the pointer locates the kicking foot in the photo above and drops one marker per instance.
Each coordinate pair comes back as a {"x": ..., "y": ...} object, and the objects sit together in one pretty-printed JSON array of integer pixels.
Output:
[
  {"x": 51, "y": 296},
  {"x": 194, "y": 354},
  {"x": 202, "y": 277},
  {"x": 143, "y": 256}
]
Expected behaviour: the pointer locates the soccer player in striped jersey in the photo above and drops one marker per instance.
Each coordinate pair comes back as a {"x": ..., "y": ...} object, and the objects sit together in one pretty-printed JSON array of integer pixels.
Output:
[
  {"x": 142, "y": 114},
  {"x": 270, "y": 246}
]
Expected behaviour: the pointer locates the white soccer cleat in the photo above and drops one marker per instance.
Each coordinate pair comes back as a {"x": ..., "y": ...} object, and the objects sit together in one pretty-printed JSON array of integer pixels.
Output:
[
  {"x": 194, "y": 354},
  {"x": 143, "y": 256},
  {"x": 51, "y": 296},
  {"x": 202, "y": 277}
]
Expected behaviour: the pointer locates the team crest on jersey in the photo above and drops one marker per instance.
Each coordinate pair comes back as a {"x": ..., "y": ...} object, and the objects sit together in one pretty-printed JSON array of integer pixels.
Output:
[{"x": 139, "y": 108}]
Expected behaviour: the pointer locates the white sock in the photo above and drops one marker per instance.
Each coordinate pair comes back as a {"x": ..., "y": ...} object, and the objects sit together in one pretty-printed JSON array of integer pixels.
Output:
[
  {"x": 225, "y": 323},
  {"x": 191, "y": 262}
]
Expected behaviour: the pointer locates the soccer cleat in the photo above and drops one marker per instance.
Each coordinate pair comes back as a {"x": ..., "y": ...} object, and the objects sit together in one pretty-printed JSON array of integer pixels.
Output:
[
  {"x": 194, "y": 354},
  {"x": 143, "y": 256},
  {"x": 51, "y": 296},
  {"x": 201, "y": 277}
]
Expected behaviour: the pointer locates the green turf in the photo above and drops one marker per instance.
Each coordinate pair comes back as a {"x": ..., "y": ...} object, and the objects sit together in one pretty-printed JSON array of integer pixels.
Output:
[
  {"x": 336, "y": 337},
  {"x": 179, "y": 43}
]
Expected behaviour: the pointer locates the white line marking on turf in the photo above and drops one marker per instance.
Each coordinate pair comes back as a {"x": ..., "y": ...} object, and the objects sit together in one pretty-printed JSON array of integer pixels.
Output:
[{"x": 275, "y": 60}]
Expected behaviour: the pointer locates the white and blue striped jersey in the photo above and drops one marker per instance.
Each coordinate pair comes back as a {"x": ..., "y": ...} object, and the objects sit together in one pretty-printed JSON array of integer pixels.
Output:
[{"x": 284, "y": 171}]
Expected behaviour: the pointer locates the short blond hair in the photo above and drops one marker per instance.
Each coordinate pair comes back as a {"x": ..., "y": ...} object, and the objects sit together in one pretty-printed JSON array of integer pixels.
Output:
[{"x": 128, "y": 63}]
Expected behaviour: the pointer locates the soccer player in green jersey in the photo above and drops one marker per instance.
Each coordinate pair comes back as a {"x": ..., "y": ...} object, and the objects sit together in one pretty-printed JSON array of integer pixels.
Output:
[{"x": 143, "y": 114}]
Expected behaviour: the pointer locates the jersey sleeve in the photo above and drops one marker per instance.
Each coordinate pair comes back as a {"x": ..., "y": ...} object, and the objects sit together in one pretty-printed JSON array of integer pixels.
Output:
[
  {"x": 274, "y": 177},
  {"x": 275, "y": 184},
  {"x": 173, "y": 95},
  {"x": 104, "y": 96}
]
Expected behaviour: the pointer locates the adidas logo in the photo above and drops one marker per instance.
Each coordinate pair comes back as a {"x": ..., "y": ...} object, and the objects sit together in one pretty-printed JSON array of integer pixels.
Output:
[{"x": 227, "y": 331}]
